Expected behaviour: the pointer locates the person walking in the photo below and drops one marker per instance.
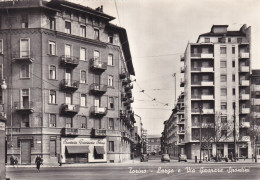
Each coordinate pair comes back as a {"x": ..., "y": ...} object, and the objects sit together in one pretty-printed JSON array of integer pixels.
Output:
[
  {"x": 16, "y": 162},
  {"x": 60, "y": 157},
  {"x": 38, "y": 162},
  {"x": 12, "y": 160}
]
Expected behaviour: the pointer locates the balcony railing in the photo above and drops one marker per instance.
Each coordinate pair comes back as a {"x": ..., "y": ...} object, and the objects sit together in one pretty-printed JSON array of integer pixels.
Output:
[
  {"x": 207, "y": 97},
  {"x": 206, "y": 69},
  {"x": 182, "y": 57},
  {"x": 129, "y": 94},
  {"x": 126, "y": 81},
  {"x": 122, "y": 75},
  {"x": 202, "y": 55},
  {"x": 98, "y": 65},
  {"x": 68, "y": 84},
  {"x": 204, "y": 111},
  {"x": 70, "y": 131},
  {"x": 23, "y": 56},
  {"x": 129, "y": 86},
  {"x": 245, "y": 138},
  {"x": 182, "y": 69},
  {"x": 244, "y": 55},
  {"x": 98, "y": 111},
  {"x": 244, "y": 97},
  {"x": 69, "y": 60},
  {"x": 69, "y": 109},
  {"x": 24, "y": 106},
  {"x": 131, "y": 100},
  {"x": 98, "y": 88},
  {"x": 123, "y": 114},
  {"x": 207, "y": 83},
  {"x": 182, "y": 83},
  {"x": 244, "y": 82},
  {"x": 244, "y": 68},
  {"x": 99, "y": 132},
  {"x": 244, "y": 125},
  {"x": 245, "y": 110}
]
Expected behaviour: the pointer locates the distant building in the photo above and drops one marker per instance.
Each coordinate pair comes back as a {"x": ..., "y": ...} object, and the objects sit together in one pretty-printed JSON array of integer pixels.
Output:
[
  {"x": 68, "y": 71},
  {"x": 153, "y": 143}
]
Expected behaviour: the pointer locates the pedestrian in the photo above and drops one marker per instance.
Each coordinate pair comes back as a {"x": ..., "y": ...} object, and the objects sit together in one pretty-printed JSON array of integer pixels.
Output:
[
  {"x": 12, "y": 160},
  {"x": 38, "y": 162},
  {"x": 16, "y": 162},
  {"x": 60, "y": 157}
]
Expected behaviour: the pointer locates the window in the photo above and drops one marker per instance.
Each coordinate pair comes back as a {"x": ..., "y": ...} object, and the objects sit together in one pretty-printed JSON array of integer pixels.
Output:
[
  {"x": 257, "y": 94},
  {"x": 25, "y": 120},
  {"x": 233, "y": 63},
  {"x": 219, "y": 40},
  {"x": 233, "y": 50},
  {"x": 111, "y": 124},
  {"x": 83, "y": 122},
  {"x": 68, "y": 27},
  {"x": 111, "y": 102},
  {"x": 83, "y": 100},
  {"x": 52, "y": 97},
  {"x": 25, "y": 71},
  {"x": 25, "y": 104},
  {"x": 223, "y": 78},
  {"x": 52, "y": 72},
  {"x": 67, "y": 50},
  {"x": 229, "y": 40},
  {"x": 24, "y": 20},
  {"x": 223, "y": 132},
  {"x": 110, "y": 81},
  {"x": 97, "y": 123},
  {"x": 1, "y": 46},
  {"x": 68, "y": 122},
  {"x": 96, "y": 56},
  {"x": 24, "y": 48},
  {"x": 207, "y": 40},
  {"x": 233, "y": 77},
  {"x": 223, "y": 50},
  {"x": 239, "y": 40},
  {"x": 96, "y": 34},
  {"x": 223, "y": 105},
  {"x": 52, "y": 120},
  {"x": 223, "y": 119},
  {"x": 223, "y": 64},
  {"x": 52, "y": 23},
  {"x": 83, "y": 53},
  {"x": 83, "y": 31},
  {"x": 223, "y": 92},
  {"x": 83, "y": 77},
  {"x": 110, "y": 60},
  {"x": 234, "y": 91},
  {"x": 52, "y": 48},
  {"x": 111, "y": 146},
  {"x": 110, "y": 38}
]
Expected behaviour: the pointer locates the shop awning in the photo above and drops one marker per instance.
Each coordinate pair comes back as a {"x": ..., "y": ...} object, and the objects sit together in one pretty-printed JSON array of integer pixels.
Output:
[
  {"x": 77, "y": 149},
  {"x": 100, "y": 149}
]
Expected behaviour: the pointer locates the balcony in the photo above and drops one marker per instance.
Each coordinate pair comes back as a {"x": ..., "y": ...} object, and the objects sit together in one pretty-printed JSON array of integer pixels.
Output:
[
  {"x": 69, "y": 109},
  {"x": 69, "y": 85},
  {"x": 245, "y": 110},
  {"x": 99, "y": 133},
  {"x": 23, "y": 56},
  {"x": 244, "y": 55},
  {"x": 207, "y": 83},
  {"x": 182, "y": 69},
  {"x": 126, "y": 81},
  {"x": 182, "y": 57},
  {"x": 69, "y": 61},
  {"x": 97, "y": 65},
  {"x": 244, "y": 125},
  {"x": 207, "y": 125},
  {"x": 131, "y": 100},
  {"x": 182, "y": 82},
  {"x": 129, "y": 94},
  {"x": 208, "y": 111},
  {"x": 24, "y": 107},
  {"x": 244, "y": 97},
  {"x": 129, "y": 86},
  {"x": 244, "y": 83},
  {"x": 181, "y": 132},
  {"x": 98, "y": 89},
  {"x": 245, "y": 138},
  {"x": 244, "y": 68},
  {"x": 122, "y": 75},
  {"x": 70, "y": 131},
  {"x": 206, "y": 69},
  {"x": 122, "y": 114},
  {"x": 207, "y": 97},
  {"x": 98, "y": 111},
  {"x": 202, "y": 55}
]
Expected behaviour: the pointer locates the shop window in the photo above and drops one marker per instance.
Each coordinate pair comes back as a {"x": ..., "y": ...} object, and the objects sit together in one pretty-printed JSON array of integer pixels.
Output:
[{"x": 97, "y": 155}]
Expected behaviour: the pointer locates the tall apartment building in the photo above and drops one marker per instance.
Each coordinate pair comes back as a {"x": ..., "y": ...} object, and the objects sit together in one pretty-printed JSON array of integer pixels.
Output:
[
  {"x": 217, "y": 92},
  {"x": 68, "y": 70}
]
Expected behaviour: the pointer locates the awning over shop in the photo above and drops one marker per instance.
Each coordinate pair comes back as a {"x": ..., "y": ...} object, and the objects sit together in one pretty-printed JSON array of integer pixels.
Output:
[
  {"x": 100, "y": 149},
  {"x": 77, "y": 149}
]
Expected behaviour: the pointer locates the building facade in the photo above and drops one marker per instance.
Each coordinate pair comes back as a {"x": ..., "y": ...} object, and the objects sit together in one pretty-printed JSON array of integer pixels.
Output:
[
  {"x": 153, "y": 144},
  {"x": 68, "y": 71},
  {"x": 216, "y": 95}
]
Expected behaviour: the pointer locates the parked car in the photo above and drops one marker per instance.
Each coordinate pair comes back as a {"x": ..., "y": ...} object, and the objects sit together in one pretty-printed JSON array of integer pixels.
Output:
[
  {"x": 144, "y": 158},
  {"x": 182, "y": 157},
  {"x": 165, "y": 157}
]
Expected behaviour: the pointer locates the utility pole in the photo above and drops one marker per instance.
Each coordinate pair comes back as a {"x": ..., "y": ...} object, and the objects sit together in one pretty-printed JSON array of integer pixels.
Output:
[
  {"x": 234, "y": 132},
  {"x": 174, "y": 75},
  {"x": 200, "y": 107}
]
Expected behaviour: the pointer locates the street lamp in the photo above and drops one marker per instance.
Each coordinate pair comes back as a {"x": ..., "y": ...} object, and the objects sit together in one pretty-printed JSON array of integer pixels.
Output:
[{"x": 200, "y": 107}]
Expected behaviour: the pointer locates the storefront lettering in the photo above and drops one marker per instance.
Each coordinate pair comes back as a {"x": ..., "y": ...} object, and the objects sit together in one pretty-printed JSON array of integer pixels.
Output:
[
  {"x": 100, "y": 142},
  {"x": 81, "y": 141},
  {"x": 67, "y": 141}
]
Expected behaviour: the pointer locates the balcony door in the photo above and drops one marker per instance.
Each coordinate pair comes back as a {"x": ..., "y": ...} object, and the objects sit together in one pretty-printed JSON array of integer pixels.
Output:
[
  {"x": 97, "y": 102},
  {"x": 68, "y": 99},
  {"x": 67, "y": 50},
  {"x": 97, "y": 81},
  {"x": 25, "y": 98},
  {"x": 24, "y": 48},
  {"x": 68, "y": 75}
]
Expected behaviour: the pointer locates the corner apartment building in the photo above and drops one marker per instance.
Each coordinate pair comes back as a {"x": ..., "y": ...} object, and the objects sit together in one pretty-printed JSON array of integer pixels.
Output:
[
  {"x": 217, "y": 92},
  {"x": 153, "y": 143},
  {"x": 68, "y": 71}
]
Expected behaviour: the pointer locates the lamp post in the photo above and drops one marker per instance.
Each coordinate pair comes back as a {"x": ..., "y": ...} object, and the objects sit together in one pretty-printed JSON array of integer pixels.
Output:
[
  {"x": 200, "y": 108},
  {"x": 234, "y": 132}
]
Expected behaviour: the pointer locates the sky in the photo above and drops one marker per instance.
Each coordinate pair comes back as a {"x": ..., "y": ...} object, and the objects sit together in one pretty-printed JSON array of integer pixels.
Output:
[{"x": 158, "y": 33}]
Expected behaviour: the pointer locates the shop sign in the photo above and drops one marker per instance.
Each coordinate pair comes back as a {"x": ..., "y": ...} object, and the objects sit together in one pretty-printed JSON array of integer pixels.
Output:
[
  {"x": 82, "y": 141},
  {"x": 2, "y": 126}
]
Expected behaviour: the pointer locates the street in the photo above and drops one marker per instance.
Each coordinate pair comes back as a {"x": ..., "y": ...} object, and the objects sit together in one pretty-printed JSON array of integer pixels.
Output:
[{"x": 152, "y": 170}]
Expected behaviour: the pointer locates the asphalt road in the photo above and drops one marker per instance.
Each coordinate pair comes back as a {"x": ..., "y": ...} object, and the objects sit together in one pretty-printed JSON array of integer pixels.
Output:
[{"x": 152, "y": 170}]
